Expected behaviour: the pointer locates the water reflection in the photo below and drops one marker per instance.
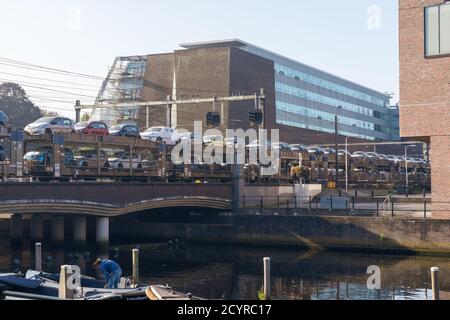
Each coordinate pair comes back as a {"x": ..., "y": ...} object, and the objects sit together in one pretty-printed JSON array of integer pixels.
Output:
[{"x": 236, "y": 273}]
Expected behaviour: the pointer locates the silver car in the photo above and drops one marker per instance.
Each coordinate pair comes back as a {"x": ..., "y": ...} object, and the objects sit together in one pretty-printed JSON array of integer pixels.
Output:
[{"x": 50, "y": 125}]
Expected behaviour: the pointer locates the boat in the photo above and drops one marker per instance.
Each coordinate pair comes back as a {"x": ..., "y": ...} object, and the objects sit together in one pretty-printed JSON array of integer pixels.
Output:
[
  {"x": 37, "y": 285},
  {"x": 161, "y": 293}
]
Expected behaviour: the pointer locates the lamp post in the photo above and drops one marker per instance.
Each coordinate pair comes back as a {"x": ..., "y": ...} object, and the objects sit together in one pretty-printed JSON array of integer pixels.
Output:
[
  {"x": 406, "y": 165},
  {"x": 346, "y": 164}
]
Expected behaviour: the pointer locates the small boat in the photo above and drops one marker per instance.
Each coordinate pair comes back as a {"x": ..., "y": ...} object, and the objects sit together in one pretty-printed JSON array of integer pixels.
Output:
[
  {"x": 157, "y": 293},
  {"x": 37, "y": 285}
]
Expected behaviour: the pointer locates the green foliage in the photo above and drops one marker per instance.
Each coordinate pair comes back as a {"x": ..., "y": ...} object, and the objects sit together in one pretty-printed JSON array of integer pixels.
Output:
[
  {"x": 85, "y": 117},
  {"x": 261, "y": 295},
  {"x": 17, "y": 106}
]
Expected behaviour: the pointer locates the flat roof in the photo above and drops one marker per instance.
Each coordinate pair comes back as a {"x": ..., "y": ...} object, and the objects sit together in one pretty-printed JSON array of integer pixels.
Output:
[{"x": 240, "y": 43}]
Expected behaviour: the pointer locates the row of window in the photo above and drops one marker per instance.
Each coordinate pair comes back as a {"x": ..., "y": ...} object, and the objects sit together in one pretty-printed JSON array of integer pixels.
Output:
[
  {"x": 437, "y": 29},
  {"x": 296, "y": 109},
  {"x": 329, "y": 85},
  {"x": 321, "y": 129},
  {"x": 297, "y": 92}
]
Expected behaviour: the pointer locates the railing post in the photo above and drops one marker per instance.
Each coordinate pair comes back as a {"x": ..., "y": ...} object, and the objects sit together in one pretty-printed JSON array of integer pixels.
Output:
[
  {"x": 245, "y": 205},
  {"x": 278, "y": 202},
  {"x": 262, "y": 205},
  {"x": 353, "y": 204},
  {"x": 392, "y": 204},
  {"x": 331, "y": 203},
  {"x": 425, "y": 209},
  {"x": 295, "y": 205},
  {"x": 310, "y": 203},
  {"x": 378, "y": 209},
  {"x": 287, "y": 207}
]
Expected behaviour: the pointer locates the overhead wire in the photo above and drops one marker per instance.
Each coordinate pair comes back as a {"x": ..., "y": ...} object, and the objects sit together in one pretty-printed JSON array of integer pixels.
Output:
[{"x": 30, "y": 66}]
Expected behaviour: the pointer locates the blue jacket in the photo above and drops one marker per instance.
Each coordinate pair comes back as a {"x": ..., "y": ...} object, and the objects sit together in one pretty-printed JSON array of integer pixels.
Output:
[{"x": 107, "y": 267}]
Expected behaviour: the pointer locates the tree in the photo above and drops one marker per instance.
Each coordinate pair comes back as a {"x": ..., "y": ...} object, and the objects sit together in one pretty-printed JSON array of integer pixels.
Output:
[
  {"x": 49, "y": 114},
  {"x": 15, "y": 103},
  {"x": 85, "y": 117},
  {"x": 12, "y": 92}
]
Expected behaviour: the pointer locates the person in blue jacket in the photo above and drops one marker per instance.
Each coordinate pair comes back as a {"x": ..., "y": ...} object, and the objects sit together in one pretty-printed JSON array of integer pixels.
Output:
[{"x": 111, "y": 270}]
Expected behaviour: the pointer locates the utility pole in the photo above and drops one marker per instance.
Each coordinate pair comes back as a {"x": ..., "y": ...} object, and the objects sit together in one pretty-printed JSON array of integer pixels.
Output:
[{"x": 336, "y": 136}]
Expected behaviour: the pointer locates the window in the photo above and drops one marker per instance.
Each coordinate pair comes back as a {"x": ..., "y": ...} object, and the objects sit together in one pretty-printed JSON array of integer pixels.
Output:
[{"x": 437, "y": 30}]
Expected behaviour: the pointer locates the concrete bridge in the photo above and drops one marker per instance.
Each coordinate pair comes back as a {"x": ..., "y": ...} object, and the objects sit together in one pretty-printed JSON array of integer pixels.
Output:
[{"x": 101, "y": 200}]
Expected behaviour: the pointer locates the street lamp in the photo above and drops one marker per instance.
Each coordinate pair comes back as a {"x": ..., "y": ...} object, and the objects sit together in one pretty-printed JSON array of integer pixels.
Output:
[
  {"x": 346, "y": 164},
  {"x": 406, "y": 165}
]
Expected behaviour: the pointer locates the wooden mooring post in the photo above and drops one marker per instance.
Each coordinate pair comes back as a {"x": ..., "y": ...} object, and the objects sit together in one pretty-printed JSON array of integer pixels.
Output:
[
  {"x": 38, "y": 256},
  {"x": 135, "y": 267},
  {"x": 267, "y": 278},
  {"x": 435, "y": 283}
]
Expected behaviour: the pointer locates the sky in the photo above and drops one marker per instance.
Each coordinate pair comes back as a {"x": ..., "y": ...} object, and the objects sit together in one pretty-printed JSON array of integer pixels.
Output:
[{"x": 354, "y": 39}]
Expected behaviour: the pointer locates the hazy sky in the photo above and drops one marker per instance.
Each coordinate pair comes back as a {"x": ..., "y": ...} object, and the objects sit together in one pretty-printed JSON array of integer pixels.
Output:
[{"x": 355, "y": 39}]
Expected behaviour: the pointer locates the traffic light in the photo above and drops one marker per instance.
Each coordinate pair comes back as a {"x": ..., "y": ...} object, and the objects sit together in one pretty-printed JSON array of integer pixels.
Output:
[
  {"x": 255, "y": 117},
  {"x": 213, "y": 119}
]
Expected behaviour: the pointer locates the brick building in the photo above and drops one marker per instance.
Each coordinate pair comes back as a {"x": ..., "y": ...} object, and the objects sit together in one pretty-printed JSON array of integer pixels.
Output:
[
  {"x": 425, "y": 88},
  {"x": 302, "y": 101}
]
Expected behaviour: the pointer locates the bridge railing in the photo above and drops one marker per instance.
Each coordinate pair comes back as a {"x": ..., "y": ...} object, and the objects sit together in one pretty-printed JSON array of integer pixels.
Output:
[{"x": 417, "y": 208}]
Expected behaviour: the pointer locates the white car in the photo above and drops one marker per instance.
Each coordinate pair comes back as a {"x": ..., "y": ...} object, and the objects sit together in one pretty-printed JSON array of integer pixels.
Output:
[
  {"x": 121, "y": 160},
  {"x": 50, "y": 125},
  {"x": 373, "y": 155},
  {"x": 160, "y": 135},
  {"x": 359, "y": 155},
  {"x": 213, "y": 139},
  {"x": 259, "y": 144}
]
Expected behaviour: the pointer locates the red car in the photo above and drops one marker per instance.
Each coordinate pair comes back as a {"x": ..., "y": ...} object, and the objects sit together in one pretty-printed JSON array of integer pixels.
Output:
[{"x": 93, "y": 127}]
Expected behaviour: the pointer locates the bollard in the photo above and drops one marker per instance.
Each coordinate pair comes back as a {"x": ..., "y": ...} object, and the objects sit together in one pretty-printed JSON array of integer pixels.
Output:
[
  {"x": 136, "y": 267},
  {"x": 435, "y": 283},
  {"x": 266, "y": 278},
  {"x": 63, "y": 291},
  {"x": 38, "y": 256}
]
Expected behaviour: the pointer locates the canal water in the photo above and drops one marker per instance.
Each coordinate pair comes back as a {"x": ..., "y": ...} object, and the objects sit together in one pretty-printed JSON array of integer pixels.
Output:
[{"x": 236, "y": 273}]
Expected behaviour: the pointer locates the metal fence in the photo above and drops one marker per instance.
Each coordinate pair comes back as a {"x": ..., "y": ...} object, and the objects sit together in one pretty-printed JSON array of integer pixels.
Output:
[{"x": 390, "y": 206}]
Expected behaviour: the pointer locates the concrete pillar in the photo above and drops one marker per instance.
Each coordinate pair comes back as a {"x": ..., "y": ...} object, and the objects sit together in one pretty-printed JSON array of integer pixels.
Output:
[
  {"x": 79, "y": 230},
  {"x": 16, "y": 229},
  {"x": 102, "y": 231},
  {"x": 37, "y": 228},
  {"x": 58, "y": 229}
]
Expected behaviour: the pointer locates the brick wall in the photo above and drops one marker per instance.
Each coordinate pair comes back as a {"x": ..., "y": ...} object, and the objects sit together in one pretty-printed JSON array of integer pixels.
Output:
[
  {"x": 424, "y": 82},
  {"x": 425, "y": 98}
]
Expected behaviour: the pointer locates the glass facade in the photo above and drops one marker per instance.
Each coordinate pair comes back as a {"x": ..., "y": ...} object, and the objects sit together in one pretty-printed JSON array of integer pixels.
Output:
[{"x": 310, "y": 98}]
